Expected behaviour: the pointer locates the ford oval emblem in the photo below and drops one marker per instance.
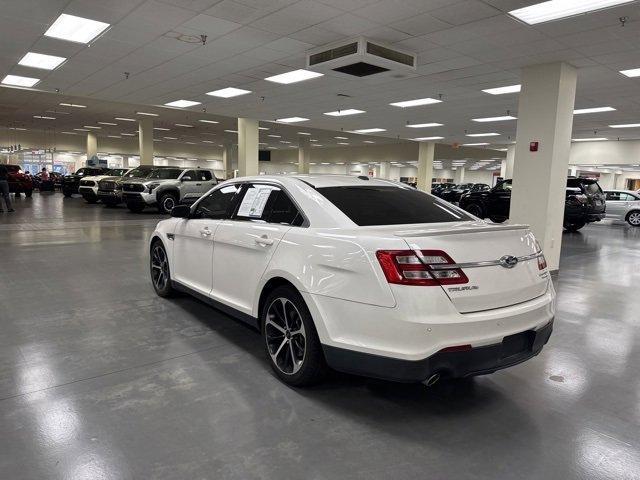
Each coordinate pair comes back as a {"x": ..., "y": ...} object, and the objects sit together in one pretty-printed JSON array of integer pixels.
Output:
[{"x": 508, "y": 261}]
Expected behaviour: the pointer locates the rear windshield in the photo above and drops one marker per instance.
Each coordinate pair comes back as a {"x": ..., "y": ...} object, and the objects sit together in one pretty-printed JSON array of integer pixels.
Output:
[
  {"x": 166, "y": 173},
  {"x": 587, "y": 186},
  {"x": 381, "y": 205}
]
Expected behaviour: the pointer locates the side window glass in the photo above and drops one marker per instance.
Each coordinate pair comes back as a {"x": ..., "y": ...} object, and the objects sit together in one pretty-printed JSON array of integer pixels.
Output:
[
  {"x": 204, "y": 175},
  {"x": 217, "y": 203},
  {"x": 613, "y": 196},
  {"x": 284, "y": 211},
  {"x": 191, "y": 174},
  {"x": 255, "y": 204}
]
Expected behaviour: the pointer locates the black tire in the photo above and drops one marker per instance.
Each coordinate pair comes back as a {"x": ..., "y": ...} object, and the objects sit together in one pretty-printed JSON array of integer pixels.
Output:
[
  {"x": 633, "y": 218},
  {"x": 17, "y": 194},
  {"x": 287, "y": 340},
  {"x": 159, "y": 270},
  {"x": 495, "y": 219},
  {"x": 66, "y": 193},
  {"x": 574, "y": 227},
  {"x": 135, "y": 207},
  {"x": 166, "y": 202},
  {"x": 475, "y": 210},
  {"x": 28, "y": 193}
]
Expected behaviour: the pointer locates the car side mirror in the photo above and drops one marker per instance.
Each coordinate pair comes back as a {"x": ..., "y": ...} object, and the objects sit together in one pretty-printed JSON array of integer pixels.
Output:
[
  {"x": 185, "y": 179},
  {"x": 181, "y": 211}
]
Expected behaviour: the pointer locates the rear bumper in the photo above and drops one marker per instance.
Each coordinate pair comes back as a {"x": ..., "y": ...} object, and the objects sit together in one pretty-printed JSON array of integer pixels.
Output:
[{"x": 477, "y": 361}]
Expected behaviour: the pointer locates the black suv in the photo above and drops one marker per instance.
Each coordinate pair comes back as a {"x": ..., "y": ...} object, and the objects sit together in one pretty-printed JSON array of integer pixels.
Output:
[
  {"x": 585, "y": 203},
  {"x": 453, "y": 194},
  {"x": 70, "y": 183}
]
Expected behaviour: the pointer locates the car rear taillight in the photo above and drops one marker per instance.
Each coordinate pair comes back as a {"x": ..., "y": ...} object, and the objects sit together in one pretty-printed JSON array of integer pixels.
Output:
[
  {"x": 542, "y": 262},
  {"x": 419, "y": 267}
]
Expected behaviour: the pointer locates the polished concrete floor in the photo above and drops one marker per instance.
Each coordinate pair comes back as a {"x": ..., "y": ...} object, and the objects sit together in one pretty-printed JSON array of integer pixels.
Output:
[{"x": 101, "y": 379}]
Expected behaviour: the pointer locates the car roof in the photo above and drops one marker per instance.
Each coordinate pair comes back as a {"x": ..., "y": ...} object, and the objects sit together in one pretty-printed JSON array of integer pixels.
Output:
[{"x": 321, "y": 181}]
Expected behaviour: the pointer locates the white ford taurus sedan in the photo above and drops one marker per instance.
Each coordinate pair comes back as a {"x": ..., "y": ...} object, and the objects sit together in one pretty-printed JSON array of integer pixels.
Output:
[{"x": 365, "y": 276}]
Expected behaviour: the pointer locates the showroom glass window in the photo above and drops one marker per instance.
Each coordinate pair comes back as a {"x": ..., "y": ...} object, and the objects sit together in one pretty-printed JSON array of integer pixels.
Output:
[
  {"x": 217, "y": 204},
  {"x": 268, "y": 203},
  {"x": 165, "y": 173},
  {"x": 382, "y": 205}
]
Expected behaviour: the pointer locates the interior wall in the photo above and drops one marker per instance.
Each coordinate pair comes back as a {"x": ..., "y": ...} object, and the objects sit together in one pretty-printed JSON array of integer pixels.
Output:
[{"x": 599, "y": 153}]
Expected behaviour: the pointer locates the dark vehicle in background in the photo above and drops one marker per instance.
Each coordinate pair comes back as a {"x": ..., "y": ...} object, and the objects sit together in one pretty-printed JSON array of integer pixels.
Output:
[
  {"x": 55, "y": 181},
  {"x": 19, "y": 182},
  {"x": 71, "y": 183},
  {"x": 454, "y": 193},
  {"x": 584, "y": 203},
  {"x": 110, "y": 188},
  {"x": 439, "y": 188}
]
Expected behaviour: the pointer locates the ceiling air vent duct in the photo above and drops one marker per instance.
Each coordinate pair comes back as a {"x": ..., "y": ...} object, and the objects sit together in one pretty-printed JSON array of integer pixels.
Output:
[{"x": 362, "y": 57}]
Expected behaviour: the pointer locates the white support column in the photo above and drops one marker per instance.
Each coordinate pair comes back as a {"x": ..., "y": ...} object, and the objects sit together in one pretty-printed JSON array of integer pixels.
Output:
[
  {"x": 459, "y": 175},
  {"x": 508, "y": 162},
  {"x": 384, "y": 170},
  {"x": 226, "y": 161},
  {"x": 426, "y": 154},
  {"x": 304, "y": 155},
  {"x": 92, "y": 145},
  {"x": 247, "y": 147},
  {"x": 545, "y": 115},
  {"x": 573, "y": 171},
  {"x": 145, "y": 140}
]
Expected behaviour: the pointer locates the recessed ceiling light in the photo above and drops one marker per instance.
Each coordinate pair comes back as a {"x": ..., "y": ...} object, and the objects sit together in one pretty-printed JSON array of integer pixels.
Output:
[
  {"x": 228, "y": 92},
  {"x": 294, "y": 76},
  {"x": 40, "y": 60},
  {"x": 148, "y": 114},
  {"x": 69, "y": 133},
  {"x": 207, "y": 141},
  {"x": 126, "y": 119},
  {"x": 626, "y": 125},
  {"x": 183, "y": 125},
  {"x": 92, "y": 127},
  {"x": 342, "y": 143},
  {"x": 474, "y": 144},
  {"x": 208, "y": 121},
  {"x": 274, "y": 136},
  {"x": 19, "y": 81},
  {"x": 425, "y": 139},
  {"x": 313, "y": 140},
  {"x": 74, "y": 105},
  {"x": 75, "y": 29},
  {"x": 18, "y": 128},
  {"x": 157, "y": 140},
  {"x": 503, "y": 90},
  {"x": 495, "y": 119},
  {"x": 128, "y": 134},
  {"x": 162, "y": 129},
  {"x": 415, "y": 103},
  {"x": 82, "y": 129},
  {"x": 558, "y": 9},
  {"x": 107, "y": 123},
  {"x": 341, "y": 138},
  {"x": 114, "y": 136},
  {"x": 263, "y": 128},
  {"x": 284, "y": 141},
  {"x": 424, "y": 125},
  {"x": 170, "y": 138},
  {"x": 182, "y": 103},
  {"x": 369, "y": 130},
  {"x": 593, "y": 110},
  {"x": 491, "y": 134},
  {"x": 368, "y": 141},
  {"x": 634, "y": 72},
  {"x": 594, "y": 139},
  {"x": 292, "y": 120},
  {"x": 231, "y": 131},
  {"x": 344, "y": 113},
  {"x": 43, "y": 117},
  {"x": 304, "y": 133}
]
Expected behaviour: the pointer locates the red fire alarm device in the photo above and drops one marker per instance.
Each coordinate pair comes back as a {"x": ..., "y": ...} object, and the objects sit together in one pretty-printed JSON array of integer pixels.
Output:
[{"x": 533, "y": 146}]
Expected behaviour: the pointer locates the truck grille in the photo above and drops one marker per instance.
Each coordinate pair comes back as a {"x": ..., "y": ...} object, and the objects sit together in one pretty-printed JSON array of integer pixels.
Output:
[
  {"x": 87, "y": 183},
  {"x": 107, "y": 185},
  {"x": 133, "y": 187}
]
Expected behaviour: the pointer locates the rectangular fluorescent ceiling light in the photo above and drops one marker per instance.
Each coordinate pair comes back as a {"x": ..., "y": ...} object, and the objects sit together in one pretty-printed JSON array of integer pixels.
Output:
[
  {"x": 425, "y": 139},
  {"x": 599, "y": 139},
  {"x": 492, "y": 134},
  {"x": 291, "y": 120},
  {"x": 415, "y": 103},
  {"x": 274, "y": 136},
  {"x": 593, "y": 110},
  {"x": 125, "y": 119},
  {"x": 341, "y": 138},
  {"x": 263, "y": 128},
  {"x": 625, "y": 125},
  {"x": 170, "y": 138},
  {"x": 39, "y": 60},
  {"x": 368, "y": 141},
  {"x": 369, "y": 130},
  {"x": 494, "y": 119},
  {"x": 81, "y": 129},
  {"x": 294, "y": 76},
  {"x": 204, "y": 141},
  {"x": 74, "y": 105},
  {"x": 128, "y": 134},
  {"x": 113, "y": 136},
  {"x": 228, "y": 92},
  {"x": 342, "y": 143},
  {"x": 208, "y": 121},
  {"x": 162, "y": 129},
  {"x": 107, "y": 123},
  {"x": 503, "y": 90},
  {"x": 75, "y": 29},
  {"x": 634, "y": 72},
  {"x": 425, "y": 125},
  {"x": 19, "y": 81},
  {"x": 304, "y": 133},
  {"x": 344, "y": 113},
  {"x": 92, "y": 127},
  {"x": 42, "y": 117},
  {"x": 234, "y": 131},
  {"x": 183, "y": 125},
  {"x": 558, "y": 9},
  {"x": 182, "y": 103},
  {"x": 474, "y": 144},
  {"x": 147, "y": 114}
]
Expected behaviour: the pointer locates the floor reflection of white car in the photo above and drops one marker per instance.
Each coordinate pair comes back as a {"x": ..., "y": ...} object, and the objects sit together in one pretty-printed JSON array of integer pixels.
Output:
[
  {"x": 623, "y": 205},
  {"x": 364, "y": 276}
]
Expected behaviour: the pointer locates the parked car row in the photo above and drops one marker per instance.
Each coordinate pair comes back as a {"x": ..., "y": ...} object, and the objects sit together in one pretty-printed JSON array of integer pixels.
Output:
[{"x": 452, "y": 192}]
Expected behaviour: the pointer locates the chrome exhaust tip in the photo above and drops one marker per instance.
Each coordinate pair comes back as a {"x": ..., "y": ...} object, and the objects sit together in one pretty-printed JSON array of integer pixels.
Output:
[{"x": 432, "y": 380}]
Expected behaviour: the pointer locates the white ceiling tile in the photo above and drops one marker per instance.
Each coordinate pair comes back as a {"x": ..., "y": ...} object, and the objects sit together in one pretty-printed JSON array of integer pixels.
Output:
[
  {"x": 465, "y": 12},
  {"x": 316, "y": 36},
  {"x": 386, "y": 34},
  {"x": 386, "y": 12},
  {"x": 348, "y": 24},
  {"x": 420, "y": 24},
  {"x": 206, "y": 24},
  {"x": 296, "y": 17},
  {"x": 194, "y": 5},
  {"x": 289, "y": 45}
]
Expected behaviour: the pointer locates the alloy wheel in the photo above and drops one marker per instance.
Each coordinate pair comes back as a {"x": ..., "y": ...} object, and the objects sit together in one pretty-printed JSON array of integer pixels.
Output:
[
  {"x": 168, "y": 204},
  {"x": 285, "y": 336},
  {"x": 634, "y": 218},
  {"x": 159, "y": 268}
]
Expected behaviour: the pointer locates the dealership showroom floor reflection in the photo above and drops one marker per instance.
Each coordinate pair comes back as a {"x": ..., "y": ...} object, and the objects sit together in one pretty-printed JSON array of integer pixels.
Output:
[{"x": 101, "y": 378}]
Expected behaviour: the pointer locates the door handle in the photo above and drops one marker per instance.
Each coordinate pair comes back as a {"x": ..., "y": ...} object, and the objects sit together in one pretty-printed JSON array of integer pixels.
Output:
[
  {"x": 264, "y": 240},
  {"x": 205, "y": 232},
  {"x": 198, "y": 184}
]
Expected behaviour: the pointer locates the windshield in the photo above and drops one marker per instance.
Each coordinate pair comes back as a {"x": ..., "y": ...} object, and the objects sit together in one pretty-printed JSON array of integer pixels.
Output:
[
  {"x": 116, "y": 172},
  {"x": 588, "y": 186},
  {"x": 382, "y": 205},
  {"x": 166, "y": 173}
]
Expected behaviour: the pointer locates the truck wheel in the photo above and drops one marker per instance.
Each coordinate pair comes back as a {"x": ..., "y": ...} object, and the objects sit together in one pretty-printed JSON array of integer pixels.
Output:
[
  {"x": 574, "y": 227},
  {"x": 167, "y": 202},
  {"x": 495, "y": 219},
  {"x": 66, "y": 193},
  {"x": 633, "y": 218},
  {"x": 475, "y": 209},
  {"x": 28, "y": 193}
]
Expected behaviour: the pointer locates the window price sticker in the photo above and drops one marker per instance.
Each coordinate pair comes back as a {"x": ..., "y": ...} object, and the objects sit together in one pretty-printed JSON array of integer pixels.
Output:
[{"x": 254, "y": 202}]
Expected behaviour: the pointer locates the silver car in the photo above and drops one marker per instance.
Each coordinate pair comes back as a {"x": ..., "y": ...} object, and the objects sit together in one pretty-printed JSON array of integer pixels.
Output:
[{"x": 623, "y": 205}]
